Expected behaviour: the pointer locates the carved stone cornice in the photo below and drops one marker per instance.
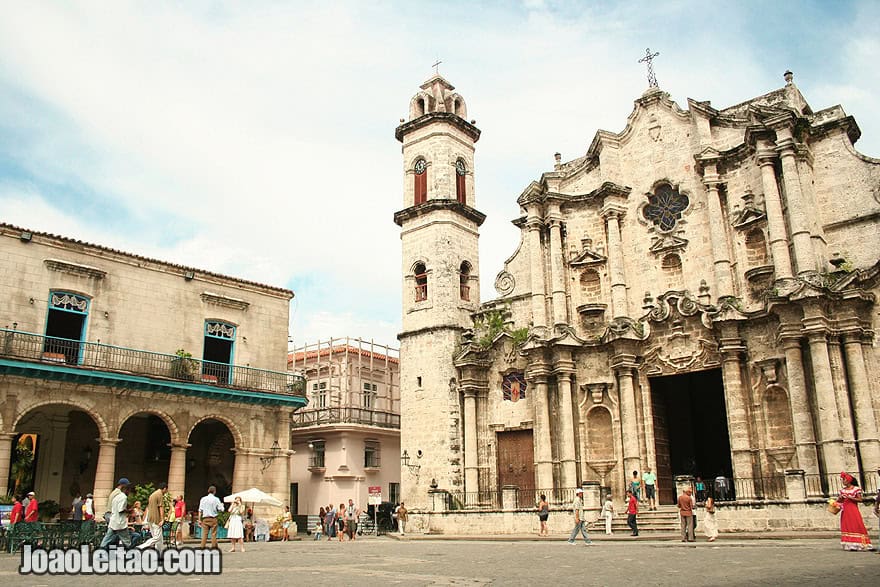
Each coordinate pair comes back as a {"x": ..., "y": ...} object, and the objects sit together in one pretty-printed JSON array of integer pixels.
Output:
[
  {"x": 225, "y": 301},
  {"x": 77, "y": 269}
]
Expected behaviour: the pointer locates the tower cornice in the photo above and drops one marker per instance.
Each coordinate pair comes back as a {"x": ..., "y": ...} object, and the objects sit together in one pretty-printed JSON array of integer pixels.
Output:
[
  {"x": 471, "y": 214},
  {"x": 466, "y": 127}
]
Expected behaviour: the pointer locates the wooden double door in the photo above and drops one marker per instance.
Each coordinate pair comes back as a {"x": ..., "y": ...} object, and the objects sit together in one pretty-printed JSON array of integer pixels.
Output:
[{"x": 516, "y": 459}]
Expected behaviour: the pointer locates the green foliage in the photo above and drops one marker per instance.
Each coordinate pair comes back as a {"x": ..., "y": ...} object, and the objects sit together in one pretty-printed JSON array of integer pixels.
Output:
[
  {"x": 520, "y": 335},
  {"x": 183, "y": 354},
  {"x": 221, "y": 518},
  {"x": 493, "y": 323},
  {"x": 141, "y": 493},
  {"x": 6, "y": 499},
  {"x": 23, "y": 469},
  {"x": 48, "y": 509}
]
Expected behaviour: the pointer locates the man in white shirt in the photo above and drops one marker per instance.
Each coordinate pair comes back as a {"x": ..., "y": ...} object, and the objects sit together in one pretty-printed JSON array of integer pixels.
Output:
[
  {"x": 117, "y": 525},
  {"x": 209, "y": 507}
]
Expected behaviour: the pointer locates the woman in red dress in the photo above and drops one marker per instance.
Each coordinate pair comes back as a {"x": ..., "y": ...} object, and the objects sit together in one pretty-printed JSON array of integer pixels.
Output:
[{"x": 853, "y": 534}]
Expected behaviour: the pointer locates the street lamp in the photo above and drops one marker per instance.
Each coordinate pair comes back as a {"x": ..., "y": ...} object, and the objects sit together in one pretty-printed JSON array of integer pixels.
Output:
[{"x": 275, "y": 452}]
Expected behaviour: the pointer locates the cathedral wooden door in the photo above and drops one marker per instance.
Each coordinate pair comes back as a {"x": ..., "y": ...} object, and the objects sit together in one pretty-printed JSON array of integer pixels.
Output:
[{"x": 516, "y": 459}]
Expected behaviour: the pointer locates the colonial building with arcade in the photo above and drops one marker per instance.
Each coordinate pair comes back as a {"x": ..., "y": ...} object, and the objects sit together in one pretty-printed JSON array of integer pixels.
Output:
[
  {"x": 695, "y": 294},
  {"x": 113, "y": 364}
]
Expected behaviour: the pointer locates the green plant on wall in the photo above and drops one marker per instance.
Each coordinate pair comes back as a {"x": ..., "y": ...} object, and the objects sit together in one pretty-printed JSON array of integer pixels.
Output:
[
  {"x": 23, "y": 469},
  {"x": 183, "y": 366},
  {"x": 491, "y": 324}
]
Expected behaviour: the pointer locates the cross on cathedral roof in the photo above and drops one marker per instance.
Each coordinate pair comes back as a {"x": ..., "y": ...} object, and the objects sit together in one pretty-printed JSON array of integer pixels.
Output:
[{"x": 649, "y": 60}]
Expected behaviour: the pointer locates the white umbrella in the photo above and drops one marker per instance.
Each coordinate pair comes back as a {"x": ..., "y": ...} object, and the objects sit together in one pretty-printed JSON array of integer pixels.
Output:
[{"x": 253, "y": 495}]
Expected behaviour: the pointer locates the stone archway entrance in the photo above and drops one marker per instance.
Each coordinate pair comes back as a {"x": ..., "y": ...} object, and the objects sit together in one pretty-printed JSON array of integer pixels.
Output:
[
  {"x": 62, "y": 443},
  {"x": 143, "y": 454},
  {"x": 209, "y": 461},
  {"x": 690, "y": 428}
]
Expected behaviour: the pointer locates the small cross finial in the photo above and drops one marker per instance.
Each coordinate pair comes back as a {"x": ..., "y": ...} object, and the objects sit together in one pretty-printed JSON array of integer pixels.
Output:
[
  {"x": 649, "y": 58},
  {"x": 436, "y": 66}
]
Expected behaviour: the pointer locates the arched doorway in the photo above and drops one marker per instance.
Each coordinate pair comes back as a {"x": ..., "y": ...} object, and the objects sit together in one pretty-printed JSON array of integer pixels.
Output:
[
  {"x": 143, "y": 453},
  {"x": 55, "y": 454},
  {"x": 209, "y": 460}
]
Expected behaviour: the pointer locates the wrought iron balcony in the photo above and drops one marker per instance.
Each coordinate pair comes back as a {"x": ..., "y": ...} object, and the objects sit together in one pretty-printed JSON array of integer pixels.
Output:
[
  {"x": 34, "y": 355},
  {"x": 326, "y": 416}
]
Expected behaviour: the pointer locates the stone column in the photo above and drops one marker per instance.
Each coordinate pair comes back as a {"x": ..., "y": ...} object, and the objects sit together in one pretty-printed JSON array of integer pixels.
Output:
[
  {"x": 536, "y": 267},
  {"x": 844, "y": 410},
  {"x": 804, "y": 260},
  {"x": 241, "y": 473},
  {"x": 616, "y": 272},
  {"x": 830, "y": 441},
  {"x": 541, "y": 438},
  {"x": 718, "y": 234},
  {"x": 623, "y": 366},
  {"x": 773, "y": 207},
  {"x": 565, "y": 430},
  {"x": 801, "y": 412},
  {"x": 732, "y": 351},
  {"x": 863, "y": 407},
  {"x": 105, "y": 472},
  {"x": 177, "y": 469},
  {"x": 5, "y": 460},
  {"x": 471, "y": 466},
  {"x": 557, "y": 268}
]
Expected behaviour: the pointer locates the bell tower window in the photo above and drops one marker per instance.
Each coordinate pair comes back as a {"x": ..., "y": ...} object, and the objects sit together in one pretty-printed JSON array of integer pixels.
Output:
[
  {"x": 421, "y": 282},
  {"x": 464, "y": 276},
  {"x": 460, "y": 174},
  {"x": 420, "y": 175}
]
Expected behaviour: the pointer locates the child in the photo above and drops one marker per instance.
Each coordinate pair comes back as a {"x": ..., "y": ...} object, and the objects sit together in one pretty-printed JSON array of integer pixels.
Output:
[{"x": 317, "y": 531}]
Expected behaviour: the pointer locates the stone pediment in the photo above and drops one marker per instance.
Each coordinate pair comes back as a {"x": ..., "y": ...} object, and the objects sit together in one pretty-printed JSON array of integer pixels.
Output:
[
  {"x": 663, "y": 243},
  {"x": 681, "y": 354},
  {"x": 587, "y": 258},
  {"x": 751, "y": 213}
]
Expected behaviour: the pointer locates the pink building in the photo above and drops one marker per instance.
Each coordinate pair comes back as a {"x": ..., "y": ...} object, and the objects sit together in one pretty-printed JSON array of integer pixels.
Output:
[{"x": 348, "y": 438}]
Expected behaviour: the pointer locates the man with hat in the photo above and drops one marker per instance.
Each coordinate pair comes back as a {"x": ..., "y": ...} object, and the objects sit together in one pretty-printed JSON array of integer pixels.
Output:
[
  {"x": 30, "y": 510},
  {"x": 579, "y": 525},
  {"x": 117, "y": 517}
]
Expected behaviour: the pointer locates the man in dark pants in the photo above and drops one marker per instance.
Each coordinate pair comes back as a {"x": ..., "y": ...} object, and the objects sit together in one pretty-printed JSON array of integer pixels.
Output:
[{"x": 632, "y": 510}]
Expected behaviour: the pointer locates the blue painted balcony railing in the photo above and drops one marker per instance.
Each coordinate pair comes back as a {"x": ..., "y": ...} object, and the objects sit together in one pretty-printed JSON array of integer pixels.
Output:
[{"x": 85, "y": 357}]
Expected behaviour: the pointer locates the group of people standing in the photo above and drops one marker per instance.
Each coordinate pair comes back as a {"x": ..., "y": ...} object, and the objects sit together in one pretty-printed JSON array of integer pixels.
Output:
[{"x": 339, "y": 522}]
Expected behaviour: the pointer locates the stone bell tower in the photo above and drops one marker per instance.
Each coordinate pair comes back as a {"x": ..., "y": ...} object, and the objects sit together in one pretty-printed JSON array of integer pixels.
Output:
[{"x": 440, "y": 265}]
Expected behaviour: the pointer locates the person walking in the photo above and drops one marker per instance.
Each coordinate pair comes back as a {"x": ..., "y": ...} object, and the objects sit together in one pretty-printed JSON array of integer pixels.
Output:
[
  {"x": 686, "y": 514},
  {"x": 31, "y": 510},
  {"x": 579, "y": 525},
  {"x": 543, "y": 513},
  {"x": 156, "y": 518},
  {"x": 117, "y": 526},
  {"x": 352, "y": 513},
  {"x": 632, "y": 510},
  {"x": 109, "y": 536},
  {"x": 649, "y": 480},
  {"x": 401, "y": 518},
  {"x": 709, "y": 523},
  {"x": 853, "y": 534},
  {"x": 607, "y": 513},
  {"x": 209, "y": 507},
  {"x": 235, "y": 524}
]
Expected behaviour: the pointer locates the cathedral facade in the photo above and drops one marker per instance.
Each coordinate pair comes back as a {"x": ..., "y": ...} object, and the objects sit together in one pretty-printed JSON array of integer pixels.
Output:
[{"x": 696, "y": 294}]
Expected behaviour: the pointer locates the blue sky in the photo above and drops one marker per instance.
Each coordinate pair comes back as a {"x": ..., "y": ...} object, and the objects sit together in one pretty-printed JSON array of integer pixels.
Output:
[{"x": 256, "y": 139}]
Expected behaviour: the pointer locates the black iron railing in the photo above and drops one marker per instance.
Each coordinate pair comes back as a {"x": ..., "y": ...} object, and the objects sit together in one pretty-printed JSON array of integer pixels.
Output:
[
  {"x": 104, "y": 357},
  {"x": 323, "y": 416}
]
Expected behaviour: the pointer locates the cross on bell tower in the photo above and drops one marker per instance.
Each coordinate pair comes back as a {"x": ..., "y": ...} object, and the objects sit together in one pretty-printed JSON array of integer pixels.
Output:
[{"x": 649, "y": 60}]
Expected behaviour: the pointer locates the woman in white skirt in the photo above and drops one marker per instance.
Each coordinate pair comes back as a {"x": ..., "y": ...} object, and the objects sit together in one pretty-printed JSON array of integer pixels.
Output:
[
  {"x": 709, "y": 523},
  {"x": 607, "y": 513},
  {"x": 235, "y": 529}
]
